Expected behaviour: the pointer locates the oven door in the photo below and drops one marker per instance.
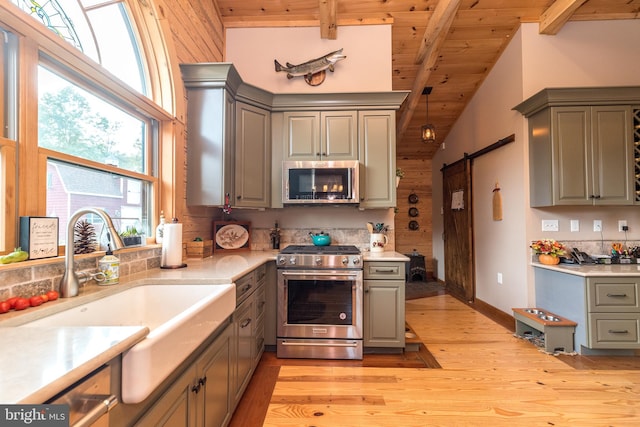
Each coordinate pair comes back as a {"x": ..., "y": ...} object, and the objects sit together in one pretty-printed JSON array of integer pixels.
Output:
[{"x": 320, "y": 304}]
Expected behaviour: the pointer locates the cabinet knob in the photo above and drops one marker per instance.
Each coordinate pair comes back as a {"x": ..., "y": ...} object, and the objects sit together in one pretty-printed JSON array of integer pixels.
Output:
[{"x": 239, "y": 197}]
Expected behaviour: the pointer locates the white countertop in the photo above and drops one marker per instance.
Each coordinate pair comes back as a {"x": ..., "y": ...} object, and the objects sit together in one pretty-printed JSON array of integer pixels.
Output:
[
  {"x": 593, "y": 270},
  {"x": 37, "y": 363}
]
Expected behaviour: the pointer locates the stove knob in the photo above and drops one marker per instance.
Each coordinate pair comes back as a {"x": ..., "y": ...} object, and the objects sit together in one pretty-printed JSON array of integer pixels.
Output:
[
  {"x": 292, "y": 260},
  {"x": 356, "y": 261},
  {"x": 318, "y": 261},
  {"x": 345, "y": 261}
]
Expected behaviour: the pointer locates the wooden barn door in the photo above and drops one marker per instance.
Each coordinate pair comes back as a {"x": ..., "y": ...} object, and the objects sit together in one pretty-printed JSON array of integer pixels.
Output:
[{"x": 458, "y": 230}]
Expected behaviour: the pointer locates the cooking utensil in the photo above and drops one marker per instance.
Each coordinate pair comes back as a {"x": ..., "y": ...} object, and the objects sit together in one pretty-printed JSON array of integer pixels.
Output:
[
  {"x": 370, "y": 227},
  {"x": 320, "y": 239}
]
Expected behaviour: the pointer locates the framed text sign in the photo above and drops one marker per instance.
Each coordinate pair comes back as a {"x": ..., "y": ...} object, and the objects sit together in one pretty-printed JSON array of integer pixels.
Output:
[{"x": 39, "y": 236}]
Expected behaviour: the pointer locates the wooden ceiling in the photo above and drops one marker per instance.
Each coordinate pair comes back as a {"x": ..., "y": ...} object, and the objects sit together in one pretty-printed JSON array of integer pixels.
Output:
[{"x": 449, "y": 45}]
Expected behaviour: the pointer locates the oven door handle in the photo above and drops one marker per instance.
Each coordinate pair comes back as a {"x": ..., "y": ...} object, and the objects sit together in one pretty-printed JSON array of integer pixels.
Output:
[
  {"x": 320, "y": 344},
  {"x": 321, "y": 274}
]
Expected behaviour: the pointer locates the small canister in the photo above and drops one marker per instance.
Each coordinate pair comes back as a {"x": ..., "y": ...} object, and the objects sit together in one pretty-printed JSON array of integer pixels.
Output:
[{"x": 109, "y": 265}]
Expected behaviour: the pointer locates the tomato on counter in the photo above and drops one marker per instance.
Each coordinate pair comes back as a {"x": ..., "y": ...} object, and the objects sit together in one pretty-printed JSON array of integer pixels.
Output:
[
  {"x": 22, "y": 303},
  {"x": 4, "y": 307},
  {"x": 36, "y": 301},
  {"x": 53, "y": 295}
]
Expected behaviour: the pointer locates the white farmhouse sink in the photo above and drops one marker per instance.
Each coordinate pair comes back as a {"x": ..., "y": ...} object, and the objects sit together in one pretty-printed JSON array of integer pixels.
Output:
[{"x": 179, "y": 317}]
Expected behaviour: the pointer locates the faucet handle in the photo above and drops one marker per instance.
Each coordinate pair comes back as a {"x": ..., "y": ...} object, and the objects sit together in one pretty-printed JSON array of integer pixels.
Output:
[{"x": 84, "y": 277}]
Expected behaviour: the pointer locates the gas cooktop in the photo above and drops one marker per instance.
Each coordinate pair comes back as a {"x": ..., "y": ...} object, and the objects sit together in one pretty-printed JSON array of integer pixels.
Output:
[{"x": 316, "y": 250}]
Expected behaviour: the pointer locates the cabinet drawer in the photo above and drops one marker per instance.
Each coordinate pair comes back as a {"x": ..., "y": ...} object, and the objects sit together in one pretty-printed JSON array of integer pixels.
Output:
[
  {"x": 245, "y": 286},
  {"x": 386, "y": 270},
  {"x": 614, "y": 330},
  {"x": 613, "y": 295}
]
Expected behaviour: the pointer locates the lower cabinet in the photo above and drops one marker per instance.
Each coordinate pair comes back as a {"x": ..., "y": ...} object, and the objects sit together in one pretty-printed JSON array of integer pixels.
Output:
[
  {"x": 384, "y": 317},
  {"x": 200, "y": 396},
  {"x": 209, "y": 389}
]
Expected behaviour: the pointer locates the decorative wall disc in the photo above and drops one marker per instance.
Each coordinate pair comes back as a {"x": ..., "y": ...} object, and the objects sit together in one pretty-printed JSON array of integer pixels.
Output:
[
  {"x": 413, "y": 198},
  {"x": 413, "y": 212},
  {"x": 413, "y": 225}
]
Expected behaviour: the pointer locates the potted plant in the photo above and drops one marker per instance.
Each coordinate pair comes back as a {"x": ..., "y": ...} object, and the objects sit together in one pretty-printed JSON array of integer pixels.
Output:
[
  {"x": 131, "y": 236},
  {"x": 548, "y": 250},
  {"x": 399, "y": 175}
]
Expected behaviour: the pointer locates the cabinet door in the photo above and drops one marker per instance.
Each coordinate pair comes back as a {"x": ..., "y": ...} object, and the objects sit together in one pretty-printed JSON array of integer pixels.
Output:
[
  {"x": 572, "y": 165},
  {"x": 253, "y": 157},
  {"x": 302, "y": 135},
  {"x": 377, "y": 148},
  {"x": 176, "y": 407},
  {"x": 612, "y": 137},
  {"x": 384, "y": 323},
  {"x": 214, "y": 375},
  {"x": 338, "y": 140},
  {"x": 243, "y": 346}
]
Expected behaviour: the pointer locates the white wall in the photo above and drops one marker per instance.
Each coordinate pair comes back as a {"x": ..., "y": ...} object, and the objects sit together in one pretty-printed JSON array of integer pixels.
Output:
[
  {"x": 367, "y": 67},
  {"x": 582, "y": 54}
]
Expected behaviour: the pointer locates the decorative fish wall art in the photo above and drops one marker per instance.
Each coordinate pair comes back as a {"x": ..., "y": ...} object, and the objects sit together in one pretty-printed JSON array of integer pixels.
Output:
[{"x": 313, "y": 71}]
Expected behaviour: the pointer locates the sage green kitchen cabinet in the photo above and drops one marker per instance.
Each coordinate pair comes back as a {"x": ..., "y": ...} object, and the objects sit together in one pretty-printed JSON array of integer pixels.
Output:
[
  {"x": 593, "y": 156},
  {"x": 326, "y": 135},
  {"x": 581, "y": 146},
  {"x": 210, "y": 146},
  {"x": 377, "y": 148},
  {"x": 384, "y": 304},
  {"x": 248, "y": 324},
  {"x": 200, "y": 396},
  {"x": 613, "y": 312},
  {"x": 253, "y": 156}
]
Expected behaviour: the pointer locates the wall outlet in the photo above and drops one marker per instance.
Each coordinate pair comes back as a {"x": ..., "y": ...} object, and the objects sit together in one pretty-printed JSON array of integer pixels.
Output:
[
  {"x": 597, "y": 225},
  {"x": 549, "y": 225},
  {"x": 499, "y": 278},
  {"x": 622, "y": 225},
  {"x": 575, "y": 225}
]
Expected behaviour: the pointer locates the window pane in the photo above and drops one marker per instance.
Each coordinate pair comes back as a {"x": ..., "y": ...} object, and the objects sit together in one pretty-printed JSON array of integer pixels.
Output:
[
  {"x": 118, "y": 50},
  {"x": 74, "y": 121},
  {"x": 72, "y": 187},
  {"x": 8, "y": 72}
]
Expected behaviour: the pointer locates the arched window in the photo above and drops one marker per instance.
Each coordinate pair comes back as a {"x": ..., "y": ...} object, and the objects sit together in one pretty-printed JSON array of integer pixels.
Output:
[{"x": 97, "y": 140}]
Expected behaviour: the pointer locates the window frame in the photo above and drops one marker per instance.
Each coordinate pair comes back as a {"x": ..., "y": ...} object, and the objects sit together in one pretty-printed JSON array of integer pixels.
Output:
[{"x": 36, "y": 43}]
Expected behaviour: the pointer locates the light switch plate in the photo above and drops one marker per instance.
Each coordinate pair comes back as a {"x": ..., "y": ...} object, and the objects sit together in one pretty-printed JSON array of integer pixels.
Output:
[
  {"x": 575, "y": 225},
  {"x": 549, "y": 225},
  {"x": 597, "y": 225}
]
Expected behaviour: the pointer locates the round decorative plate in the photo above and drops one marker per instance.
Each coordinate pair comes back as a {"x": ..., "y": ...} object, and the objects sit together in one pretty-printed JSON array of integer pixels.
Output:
[
  {"x": 413, "y": 225},
  {"x": 413, "y": 212},
  {"x": 413, "y": 198},
  {"x": 232, "y": 236}
]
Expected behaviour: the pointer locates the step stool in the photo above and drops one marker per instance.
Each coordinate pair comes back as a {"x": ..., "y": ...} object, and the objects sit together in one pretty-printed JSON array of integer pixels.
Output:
[{"x": 557, "y": 331}]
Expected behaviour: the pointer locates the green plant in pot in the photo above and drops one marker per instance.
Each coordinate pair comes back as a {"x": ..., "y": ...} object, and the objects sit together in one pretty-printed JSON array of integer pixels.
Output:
[{"x": 131, "y": 236}]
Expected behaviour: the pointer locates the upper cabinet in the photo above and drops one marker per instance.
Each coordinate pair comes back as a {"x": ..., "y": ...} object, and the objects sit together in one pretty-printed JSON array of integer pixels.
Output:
[
  {"x": 377, "y": 132},
  {"x": 327, "y": 135},
  {"x": 581, "y": 147},
  {"x": 228, "y": 138},
  {"x": 253, "y": 156}
]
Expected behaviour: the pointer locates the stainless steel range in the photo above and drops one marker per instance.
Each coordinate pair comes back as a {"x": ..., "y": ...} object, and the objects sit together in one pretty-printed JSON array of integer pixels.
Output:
[{"x": 320, "y": 302}]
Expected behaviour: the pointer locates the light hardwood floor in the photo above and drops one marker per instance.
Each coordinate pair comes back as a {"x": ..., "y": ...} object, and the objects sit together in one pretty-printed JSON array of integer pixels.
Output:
[{"x": 487, "y": 377}]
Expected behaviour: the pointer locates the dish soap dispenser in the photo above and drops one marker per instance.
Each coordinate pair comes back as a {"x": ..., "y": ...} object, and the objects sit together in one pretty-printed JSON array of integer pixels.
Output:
[
  {"x": 109, "y": 265},
  {"x": 160, "y": 229}
]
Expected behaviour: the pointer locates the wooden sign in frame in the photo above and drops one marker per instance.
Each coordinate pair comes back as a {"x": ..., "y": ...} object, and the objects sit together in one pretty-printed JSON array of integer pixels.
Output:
[{"x": 39, "y": 236}]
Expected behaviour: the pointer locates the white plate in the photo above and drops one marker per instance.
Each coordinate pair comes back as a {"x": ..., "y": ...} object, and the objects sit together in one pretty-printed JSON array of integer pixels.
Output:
[{"x": 232, "y": 236}]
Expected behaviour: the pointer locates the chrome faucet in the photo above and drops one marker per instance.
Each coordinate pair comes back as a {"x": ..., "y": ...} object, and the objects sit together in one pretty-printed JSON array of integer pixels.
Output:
[{"x": 70, "y": 284}]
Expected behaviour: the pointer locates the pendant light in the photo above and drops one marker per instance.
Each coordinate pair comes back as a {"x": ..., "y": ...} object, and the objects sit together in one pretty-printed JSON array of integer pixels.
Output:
[{"x": 428, "y": 131}]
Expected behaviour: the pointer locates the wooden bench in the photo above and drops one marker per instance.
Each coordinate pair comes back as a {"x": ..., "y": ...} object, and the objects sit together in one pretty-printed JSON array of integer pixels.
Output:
[{"x": 537, "y": 322}]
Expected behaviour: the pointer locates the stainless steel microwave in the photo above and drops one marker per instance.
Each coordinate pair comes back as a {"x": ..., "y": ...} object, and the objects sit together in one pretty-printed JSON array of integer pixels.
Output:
[{"x": 320, "y": 182}]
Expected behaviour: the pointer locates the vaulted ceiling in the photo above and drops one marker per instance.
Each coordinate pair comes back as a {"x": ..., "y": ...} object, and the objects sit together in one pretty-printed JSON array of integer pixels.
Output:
[{"x": 449, "y": 45}]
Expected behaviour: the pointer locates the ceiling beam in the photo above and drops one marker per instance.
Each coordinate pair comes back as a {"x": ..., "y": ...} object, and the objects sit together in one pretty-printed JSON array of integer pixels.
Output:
[
  {"x": 556, "y": 15},
  {"x": 432, "y": 42},
  {"x": 328, "y": 19}
]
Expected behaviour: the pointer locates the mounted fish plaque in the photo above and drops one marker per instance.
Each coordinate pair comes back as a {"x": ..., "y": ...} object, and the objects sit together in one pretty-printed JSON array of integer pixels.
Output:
[{"x": 313, "y": 71}]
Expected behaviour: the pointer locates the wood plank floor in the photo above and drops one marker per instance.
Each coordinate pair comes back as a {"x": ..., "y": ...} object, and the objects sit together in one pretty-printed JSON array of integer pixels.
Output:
[{"x": 487, "y": 377}]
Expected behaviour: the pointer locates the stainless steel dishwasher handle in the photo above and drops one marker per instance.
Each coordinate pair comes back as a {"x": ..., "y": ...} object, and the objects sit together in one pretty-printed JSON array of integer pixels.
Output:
[{"x": 103, "y": 405}]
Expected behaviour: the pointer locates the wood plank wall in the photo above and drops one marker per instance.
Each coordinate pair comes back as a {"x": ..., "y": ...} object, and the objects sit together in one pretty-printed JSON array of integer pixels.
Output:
[{"x": 417, "y": 180}]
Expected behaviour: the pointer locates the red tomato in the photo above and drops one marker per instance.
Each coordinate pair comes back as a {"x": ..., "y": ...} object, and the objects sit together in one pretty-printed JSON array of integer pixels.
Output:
[
  {"x": 22, "y": 303},
  {"x": 36, "y": 301},
  {"x": 44, "y": 297},
  {"x": 4, "y": 307},
  {"x": 53, "y": 295},
  {"x": 12, "y": 301}
]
